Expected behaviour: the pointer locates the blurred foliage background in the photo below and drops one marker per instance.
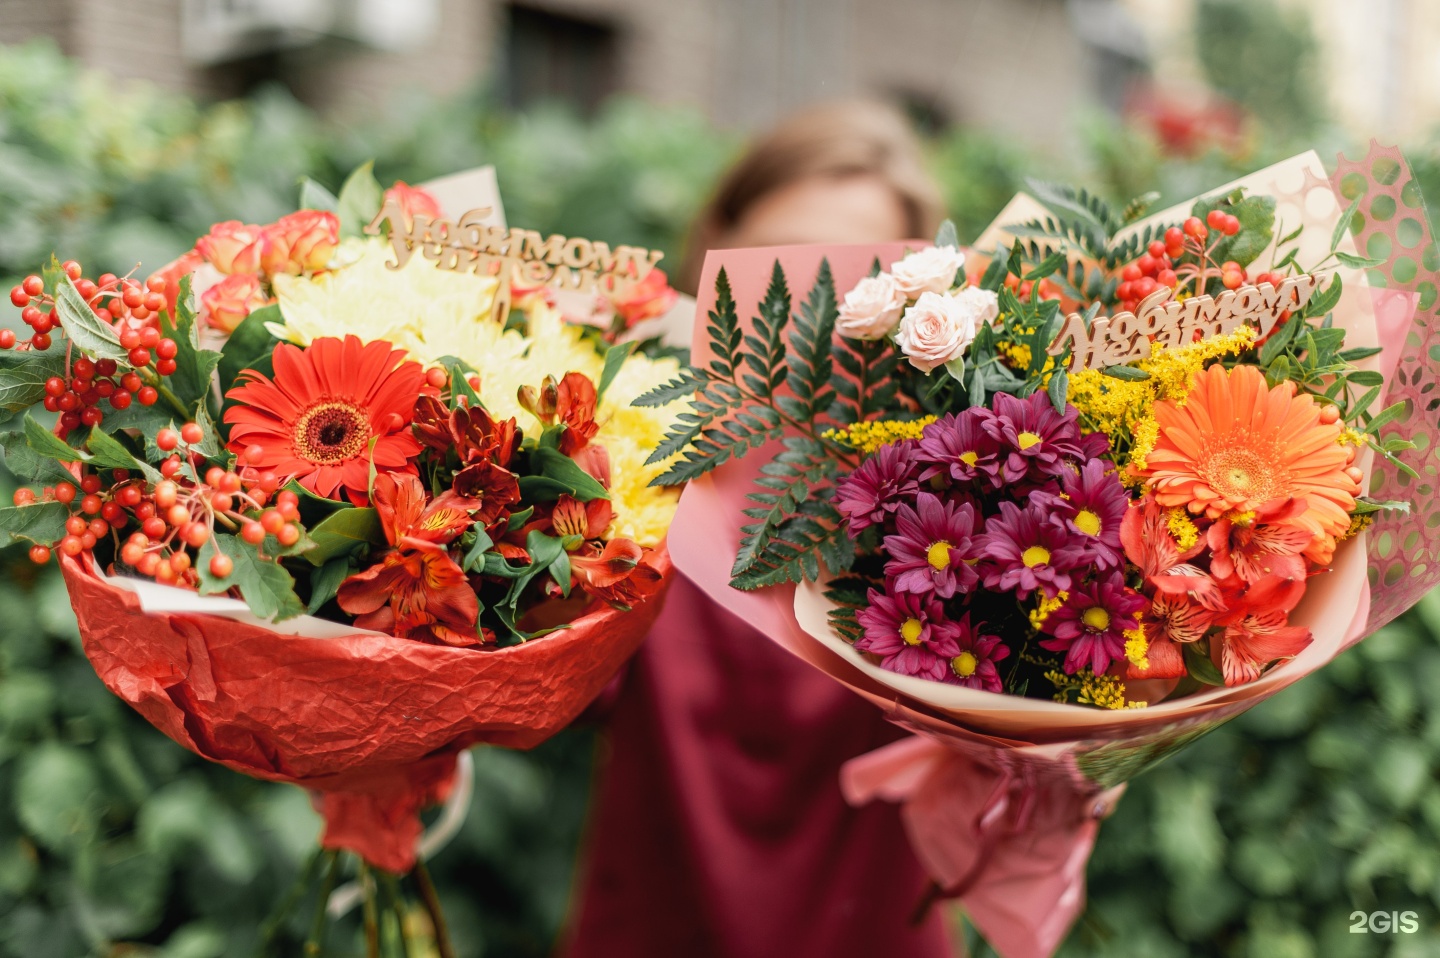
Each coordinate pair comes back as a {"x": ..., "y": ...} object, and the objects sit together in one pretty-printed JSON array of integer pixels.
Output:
[{"x": 1257, "y": 842}]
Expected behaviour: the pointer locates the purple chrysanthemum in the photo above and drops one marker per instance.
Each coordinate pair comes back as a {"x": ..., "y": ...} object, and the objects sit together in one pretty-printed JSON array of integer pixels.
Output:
[
  {"x": 910, "y": 634},
  {"x": 975, "y": 667},
  {"x": 1090, "y": 627},
  {"x": 1036, "y": 440},
  {"x": 1092, "y": 509},
  {"x": 929, "y": 553},
  {"x": 1024, "y": 552},
  {"x": 960, "y": 447},
  {"x": 878, "y": 485}
]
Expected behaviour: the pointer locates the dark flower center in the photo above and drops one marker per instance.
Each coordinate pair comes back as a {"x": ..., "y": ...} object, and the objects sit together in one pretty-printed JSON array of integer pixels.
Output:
[{"x": 331, "y": 431}]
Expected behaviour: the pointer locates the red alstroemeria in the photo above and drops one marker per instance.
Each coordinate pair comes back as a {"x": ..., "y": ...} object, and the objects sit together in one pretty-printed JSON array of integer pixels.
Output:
[
  {"x": 588, "y": 520},
  {"x": 1163, "y": 658},
  {"x": 1170, "y": 621},
  {"x": 1263, "y": 545},
  {"x": 472, "y": 432},
  {"x": 1145, "y": 534},
  {"x": 416, "y": 590},
  {"x": 494, "y": 487},
  {"x": 1257, "y": 640},
  {"x": 575, "y": 401},
  {"x": 617, "y": 574}
]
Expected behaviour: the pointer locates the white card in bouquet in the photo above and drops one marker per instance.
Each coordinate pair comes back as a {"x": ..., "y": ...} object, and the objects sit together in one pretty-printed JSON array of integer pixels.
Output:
[{"x": 471, "y": 190}]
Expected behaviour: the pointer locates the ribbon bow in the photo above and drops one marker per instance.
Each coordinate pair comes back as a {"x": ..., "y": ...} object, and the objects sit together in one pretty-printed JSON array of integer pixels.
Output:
[{"x": 1010, "y": 846}]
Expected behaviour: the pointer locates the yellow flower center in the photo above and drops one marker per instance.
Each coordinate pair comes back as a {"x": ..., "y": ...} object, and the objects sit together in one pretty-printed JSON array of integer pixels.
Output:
[
  {"x": 331, "y": 431},
  {"x": 1035, "y": 555},
  {"x": 910, "y": 631},
  {"x": 938, "y": 555},
  {"x": 969, "y": 458},
  {"x": 1027, "y": 439},
  {"x": 1245, "y": 474},
  {"x": 1087, "y": 522},
  {"x": 964, "y": 664},
  {"x": 1096, "y": 618}
]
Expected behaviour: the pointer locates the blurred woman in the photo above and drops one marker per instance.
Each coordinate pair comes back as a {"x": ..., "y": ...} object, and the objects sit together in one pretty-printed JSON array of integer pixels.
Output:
[{"x": 719, "y": 830}]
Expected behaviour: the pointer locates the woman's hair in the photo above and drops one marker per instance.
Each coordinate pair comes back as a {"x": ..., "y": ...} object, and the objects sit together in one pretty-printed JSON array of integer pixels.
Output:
[{"x": 840, "y": 139}]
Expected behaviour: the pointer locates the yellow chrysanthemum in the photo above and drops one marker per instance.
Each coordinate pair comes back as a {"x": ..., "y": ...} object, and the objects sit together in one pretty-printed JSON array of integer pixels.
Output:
[
  {"x": 1105, "y": 691},
  {"x": 434, "y": 313},
  {"x": 1137, "y": 648},
  {"x": 1182, "y": 528}
]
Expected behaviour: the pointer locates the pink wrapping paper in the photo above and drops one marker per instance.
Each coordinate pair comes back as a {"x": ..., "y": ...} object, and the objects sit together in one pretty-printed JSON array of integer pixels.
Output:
[{"x": 1002, "y": 795}]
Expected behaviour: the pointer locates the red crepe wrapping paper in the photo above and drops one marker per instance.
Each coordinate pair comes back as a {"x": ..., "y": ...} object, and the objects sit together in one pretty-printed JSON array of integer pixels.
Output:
[{"x": 370, "y": 723}]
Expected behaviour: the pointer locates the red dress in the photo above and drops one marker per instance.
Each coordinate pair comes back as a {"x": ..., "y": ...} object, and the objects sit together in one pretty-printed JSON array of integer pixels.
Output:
[{"x": 719, "y": 829}]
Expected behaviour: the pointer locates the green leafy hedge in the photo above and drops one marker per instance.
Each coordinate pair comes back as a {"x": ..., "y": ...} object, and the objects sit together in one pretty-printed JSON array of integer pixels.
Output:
[{"x": 1258, "y": 841}]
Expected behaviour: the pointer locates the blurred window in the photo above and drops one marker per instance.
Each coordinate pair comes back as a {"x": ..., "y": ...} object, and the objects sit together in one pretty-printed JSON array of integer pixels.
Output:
[{"x": 554, "y": 56}]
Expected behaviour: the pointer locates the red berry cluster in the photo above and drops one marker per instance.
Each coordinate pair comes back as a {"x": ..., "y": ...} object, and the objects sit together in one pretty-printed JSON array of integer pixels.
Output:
[
  {"x": 176, "y": 516},
  {"x": 133, "y": 309},
  {"x": 1160, "y": 264}
]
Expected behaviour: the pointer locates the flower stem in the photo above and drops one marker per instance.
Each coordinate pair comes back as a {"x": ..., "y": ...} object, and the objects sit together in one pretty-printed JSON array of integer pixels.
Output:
[
  {"x": 152, "y": 378},
  {"x": 370, "y": 913},
  {"x": 391, "y": 889},
  {"x": 432, "y": 906},
  {"x": 315, "y": 942},
  {"x": 276, "y": 921}
]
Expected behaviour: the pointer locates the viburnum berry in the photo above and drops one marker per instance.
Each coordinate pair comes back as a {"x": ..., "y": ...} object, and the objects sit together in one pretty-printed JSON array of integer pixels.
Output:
[
  {"x": 112, "y": 513},
  {"x": 87, "y": 541},
  {"x": 147, "y": 396},
  {"x": 164, "y": 571},
  {"x": 71, "y": 546},
  {"x": 91, "y": 415},
  {"x": 167, "y": 439},
  {"x": 288, "y": 535},
  {"x": 177, "y": 515},
  {"x": 71, "y": 269},
  {"x": 166, "y": 348},
  {"x": 40, "y": 341},
  {"x": 83, "y": 369},
  {"x": 154, "y": 527},
  {"x": 192, "y": 433},
  {"x": 1231, "y": 226},
  {"x": 30, "y": 315},
  {"x": 436, "y": 377},
  {"x": 222, "y": 501},
  {"x": 1167, "y": 277},
  {"x": 90, "y": 483},
  {"x": 131, "y": 553},
  {"x": 23, "y": 496},
  {"x": 90, "y": 505},
  {"x": 229, "y": 482},
  {"x": 254, "y": 453},
  {"x": 221, "y": 566},
  {"x": 86, "y": 288},
  {"x": 149, "y": 337},
  {"x": 39, "y": 554},
  {"x": 272, "y": 521},
  {"x": 55, "y": 386},
  {"x": 33, "y": 285},
  {"x": 7, "y": 338},
  {"x": 1215, "y": 219},
  {"x": 145, "y": 510},
  {"x": 170, "y": 466},
  {"x": 69, "y": 421},
  {"x": 99, "y": 527},
  {"x": 155, "y": 283},
  {"x": 64, "y": 492},
  {"x": 196, "y": 534},
  {"x": 252, "y": 532},
  {"x": 166, "y": 492},
  {"x": 129, "y": 496},
  {"x": 1195, "y": 228},
  {"x": 18, "y": 296},
  {"x": 121, "y": 400},
  {"x": 149, "y": 564},
  {"x": 129, "y": 338},
  {"x": 139, "y": 357},
  {"x": 75, "y": 525},
  {"x": 166, "y": 367}
]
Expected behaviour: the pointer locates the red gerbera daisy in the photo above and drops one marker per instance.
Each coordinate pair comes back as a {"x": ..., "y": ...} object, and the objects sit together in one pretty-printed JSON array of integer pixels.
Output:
[{"x": 317, "y": 419}]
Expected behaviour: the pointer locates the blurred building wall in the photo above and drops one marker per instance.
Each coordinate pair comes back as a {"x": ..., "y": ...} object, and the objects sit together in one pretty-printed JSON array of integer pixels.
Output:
[{"x": 1004, "y": 64}]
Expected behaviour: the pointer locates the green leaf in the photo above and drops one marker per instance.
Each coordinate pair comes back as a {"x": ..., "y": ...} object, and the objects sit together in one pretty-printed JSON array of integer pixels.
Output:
[
  {"x": 1128, "y": 373},
  {"x": 460, "y": 371},
  {"x": 809, "y": 362},
  {"x": 46, "y": 443},
  {"x": 1385, "y": 417},
  {"x": 1324, "y": 301},
  {"x": 1200, "y": 666},
  {"x": 683, "y": 386},
  {"x": 27, "y": 464},
  {"x": 313, "y": 196},
  {"x": 1047, "y": 266},
  {"x": 946, "y": 234},
  {"x": 615, "y": 358},
  {"x": 193, "y": 378},
  {"x": 1342, "y": 225},
  {"x": 264, "y": 585},
  {"x": 39, "y": 522},
  {"x": 248, "y": 344},
  {"x": 1359, "y": 353},
  {"x": 557, "y": 474},
  {"x": 1366, "y": 377},
  {"x": 1059, "y": 389},
  {"x": 1359, "y": 262},
  {"x": 325, "y": 582},
  {"x": 343, "y": 533},
  {"x": 474, "y": 560},
  {"x": 23, "y": 376},
  {"x": 89, "y": 332},
  {"x": 108, "y": 452},
  {"x": 360, "y": 198}
]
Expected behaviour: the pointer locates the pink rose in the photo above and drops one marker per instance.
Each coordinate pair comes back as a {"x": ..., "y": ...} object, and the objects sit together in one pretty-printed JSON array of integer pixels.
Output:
[
  {"x": 413, "y": 200},
  {"x": 229, "y": 301},
  {"x": 650, "y": 297},
  {"x": 936, "y": 330},
  {"x": 983, "y": 301},
  {"x": 871, "y": 309},
  {"x": 232, "y": 247},
  {"x": 928, "y": 271},
  {"x": 302, "y": 242}
]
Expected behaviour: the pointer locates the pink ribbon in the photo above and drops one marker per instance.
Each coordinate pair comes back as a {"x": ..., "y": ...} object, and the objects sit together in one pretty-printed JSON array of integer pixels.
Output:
[{"x": 1010, "y": 846}]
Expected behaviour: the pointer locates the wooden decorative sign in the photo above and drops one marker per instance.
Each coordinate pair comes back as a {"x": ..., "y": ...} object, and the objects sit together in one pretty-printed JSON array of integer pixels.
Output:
[
  {"x": 1126, "y": 336},
  {"x": 518, "y": 256}
]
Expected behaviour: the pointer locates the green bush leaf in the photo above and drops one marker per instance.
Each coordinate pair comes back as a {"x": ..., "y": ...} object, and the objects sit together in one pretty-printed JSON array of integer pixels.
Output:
[
  {"x": 92, "y": 334},
  {"x": 39, "y": 522},
  {"x": 193, "y": 378},
  {"x": 248, "y": 345},
  {"x": 343, "y": 533},
  {"x": 360, "y": 198},
  {"x": 558, "y": 474},
  {"x": 23, "y": 375},
  {"x": 46, "y": 443},
  {"x": 264, "y": 585}
]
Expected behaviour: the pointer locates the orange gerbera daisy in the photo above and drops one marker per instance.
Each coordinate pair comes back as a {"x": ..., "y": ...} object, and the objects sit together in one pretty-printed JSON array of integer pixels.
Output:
[
  {"x": 329, "y": 410},
  {"x": 1237, "y": 444}
]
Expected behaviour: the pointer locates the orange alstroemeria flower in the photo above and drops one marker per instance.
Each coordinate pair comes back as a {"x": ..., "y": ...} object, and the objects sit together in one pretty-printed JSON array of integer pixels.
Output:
[
  {"x": 575, "y": 401},
  {"x": 617, "y": 574},
  {"x": 1260, "y": 545},
  {"x": 416, "y": 590},
  {"x": 1237, "y": 444}
]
